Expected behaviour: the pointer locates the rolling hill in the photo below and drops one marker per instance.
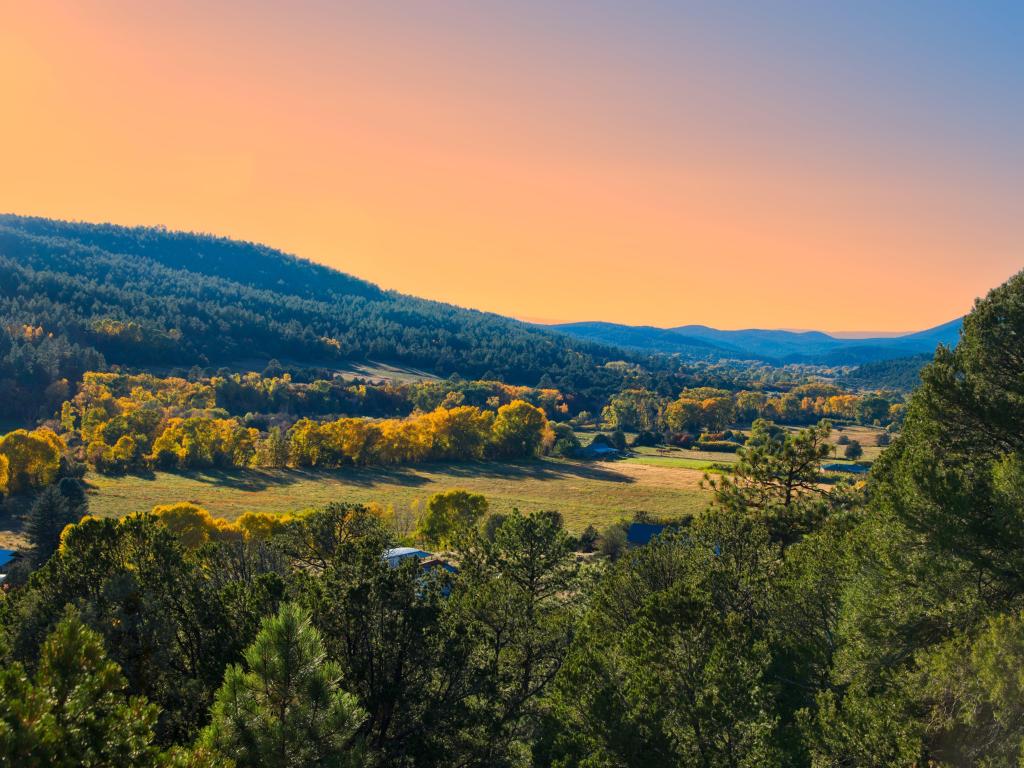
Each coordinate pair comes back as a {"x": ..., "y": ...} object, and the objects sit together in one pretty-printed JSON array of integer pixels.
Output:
[
  {"x": 775, "y": 346},
  {"x": 75, "y": 296}
]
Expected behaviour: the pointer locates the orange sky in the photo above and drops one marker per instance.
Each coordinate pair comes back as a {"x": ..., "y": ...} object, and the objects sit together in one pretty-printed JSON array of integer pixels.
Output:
[{"x": 554, "y": 161}]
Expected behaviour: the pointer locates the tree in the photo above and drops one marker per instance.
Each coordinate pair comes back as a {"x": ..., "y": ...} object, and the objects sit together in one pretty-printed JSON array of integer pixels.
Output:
[
  {"x": 929, "y": 648},
  {"x": 33, "y": 458},
  {"x": 519, "y": 429},
  {"x": 589, "y": 539},
  {"x": 514, "y": 595},
  {"x": 777, "y": 478},
  {"x": 493, "y": 522},
  {"x": 74, "y": 711},
  {"x": 171, "y": 619},
  {"x": 193, "y": 525},
  {"x": 286, "y": 709},
  {"x": 402, "y": 651},
  {"x": 634, "y": 409},
  {"x": 451, "y": 513},
  {"x": 671, "y": 664},
  {"x": 619, "y": 439},
  {"x": 47, "y": 519},
  {"x": 71, "y": 489},
  {"x": 853, "y": 450},
  {"x": 612, "y": 543},
  {"x": 565, "y": 441}
]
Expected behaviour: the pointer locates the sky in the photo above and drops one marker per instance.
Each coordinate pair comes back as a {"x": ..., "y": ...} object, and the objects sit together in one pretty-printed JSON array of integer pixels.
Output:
[{"x": 840, "y": 166}]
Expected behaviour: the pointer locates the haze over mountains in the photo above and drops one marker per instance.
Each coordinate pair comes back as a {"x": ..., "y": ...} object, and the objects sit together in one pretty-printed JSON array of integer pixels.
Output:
[{"x": 776, "y": 346}]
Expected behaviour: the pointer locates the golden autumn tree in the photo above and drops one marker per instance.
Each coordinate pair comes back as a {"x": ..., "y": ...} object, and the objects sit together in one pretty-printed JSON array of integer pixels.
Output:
[
  {"x": 33, "y": 458},
  {"x": 519, "y": 429},
  {"x": 193, "y": 525}
]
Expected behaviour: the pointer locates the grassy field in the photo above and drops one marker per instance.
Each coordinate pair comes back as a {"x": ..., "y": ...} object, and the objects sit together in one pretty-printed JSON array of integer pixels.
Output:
[
  {"x": 866, "y": 436},
  {"x": 680, "y": 457},
  {"x": 584, "y": 493}
]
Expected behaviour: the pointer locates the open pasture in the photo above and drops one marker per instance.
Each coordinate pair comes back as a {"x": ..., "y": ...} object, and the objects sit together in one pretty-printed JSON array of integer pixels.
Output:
[{"x": 584, "y": 493}]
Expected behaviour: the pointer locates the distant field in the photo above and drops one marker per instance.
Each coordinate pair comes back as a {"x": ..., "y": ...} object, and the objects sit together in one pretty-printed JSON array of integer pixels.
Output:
[
  {"x": 584, "y": 493},
  {"x": 680, "y": 457},
  {"x": 866, "y": 436}
]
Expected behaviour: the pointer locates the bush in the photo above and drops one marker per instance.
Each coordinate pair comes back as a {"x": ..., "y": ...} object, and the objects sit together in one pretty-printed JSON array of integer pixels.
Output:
[
  {"x": 718, "y": 446},
  {"x": 680, "y": 439},
  {"x": 619, "y": 439},
  {"x": 566, "y": 443},
  {"x": 613, "y": 541},
  {"x": 589, "y": 539},
  {"x": 843, "y": 440},
  {"x": 647, "y": 438}
]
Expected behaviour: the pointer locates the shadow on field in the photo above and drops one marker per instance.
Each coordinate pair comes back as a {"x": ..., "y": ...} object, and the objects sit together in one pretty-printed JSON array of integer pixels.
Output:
[
  {"x": 253, "y": 480},
  {"x": 262, "y": 479},
  {"x": 536, "y": 470}
]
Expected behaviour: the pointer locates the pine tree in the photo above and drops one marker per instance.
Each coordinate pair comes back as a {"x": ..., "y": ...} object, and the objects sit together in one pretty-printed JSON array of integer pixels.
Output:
[
  {"x": 287, "y": 708},
  {"x": 74, "y": 711},
  {"x": 50, "y": 514}
]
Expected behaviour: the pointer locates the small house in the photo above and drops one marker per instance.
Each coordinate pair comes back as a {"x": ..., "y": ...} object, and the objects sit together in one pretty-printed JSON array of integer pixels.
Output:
[
  {"x": 598, "y": 451},
  {"x": 398, "y": 554}
]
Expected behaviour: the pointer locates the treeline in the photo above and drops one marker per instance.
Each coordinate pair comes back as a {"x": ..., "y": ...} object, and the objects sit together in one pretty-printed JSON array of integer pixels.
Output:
[
  {"x": 145, "y": 437},
  {"x": 146, "y": 297},
  {"x": 703, "y": 409},
  {"x": 279, "y": 395}
]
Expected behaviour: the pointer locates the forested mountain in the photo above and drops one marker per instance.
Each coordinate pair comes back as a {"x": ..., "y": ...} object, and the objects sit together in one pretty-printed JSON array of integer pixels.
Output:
[
  {"x": 775, "y": 346},
  {"x": 150, "y": 297}
]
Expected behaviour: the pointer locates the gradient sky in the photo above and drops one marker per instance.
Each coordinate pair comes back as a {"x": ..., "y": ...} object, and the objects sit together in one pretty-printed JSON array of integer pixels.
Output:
[{"x": 777, "y": 164}]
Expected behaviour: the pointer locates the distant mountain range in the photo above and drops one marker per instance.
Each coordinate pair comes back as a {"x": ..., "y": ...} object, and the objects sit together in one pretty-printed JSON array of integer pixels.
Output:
[{"x": 774, "y": 346}]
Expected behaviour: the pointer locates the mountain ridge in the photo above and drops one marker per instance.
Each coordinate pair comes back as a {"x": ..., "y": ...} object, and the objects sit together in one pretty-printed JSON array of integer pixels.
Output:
[{"x": 769, "y": 345}]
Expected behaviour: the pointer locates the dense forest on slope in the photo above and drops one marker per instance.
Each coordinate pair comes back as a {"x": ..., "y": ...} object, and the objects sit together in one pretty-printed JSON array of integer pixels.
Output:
[
  {"x": 148, "y": 297},
  {"x": 902, "y": 374}
]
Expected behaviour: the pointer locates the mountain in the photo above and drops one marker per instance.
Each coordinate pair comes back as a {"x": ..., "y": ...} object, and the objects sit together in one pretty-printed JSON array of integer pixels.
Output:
[
  {"x": 775, "y": 346},
  {"x": 647, "y": 338},
  {"x": 141, "y": 297}
]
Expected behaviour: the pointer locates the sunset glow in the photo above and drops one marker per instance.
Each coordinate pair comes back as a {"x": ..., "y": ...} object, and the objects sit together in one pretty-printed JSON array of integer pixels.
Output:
[{"x": 631, "y": 162}]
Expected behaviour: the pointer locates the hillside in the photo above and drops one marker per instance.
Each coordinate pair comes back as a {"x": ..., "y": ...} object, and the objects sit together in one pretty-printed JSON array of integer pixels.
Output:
[
  {"x": 774, "y": 346},
  {"x": 901, "y": 374},
  {"x": 74, "y": 295}
]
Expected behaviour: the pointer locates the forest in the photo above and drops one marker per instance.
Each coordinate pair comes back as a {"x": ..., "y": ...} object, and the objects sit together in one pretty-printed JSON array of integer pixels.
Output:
[
  {"x": 793, "y": 622},
  {"x": 76, "y": 296}
]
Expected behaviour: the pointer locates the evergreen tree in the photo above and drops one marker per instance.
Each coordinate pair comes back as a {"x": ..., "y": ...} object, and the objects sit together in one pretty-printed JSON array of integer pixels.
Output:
[
  {"x": 74, "y": 710},
  {"x": 287, "y": 708},
  {"x": 48, "y": 517}
]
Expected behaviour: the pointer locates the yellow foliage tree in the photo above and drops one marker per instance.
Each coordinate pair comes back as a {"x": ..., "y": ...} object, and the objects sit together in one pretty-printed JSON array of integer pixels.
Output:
[
  {"x": 262, "y": 525},
  {"x": 193, "y": 525},
  {"x": 519, "y": 429},
  {"x": 33, "y": 458}
]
